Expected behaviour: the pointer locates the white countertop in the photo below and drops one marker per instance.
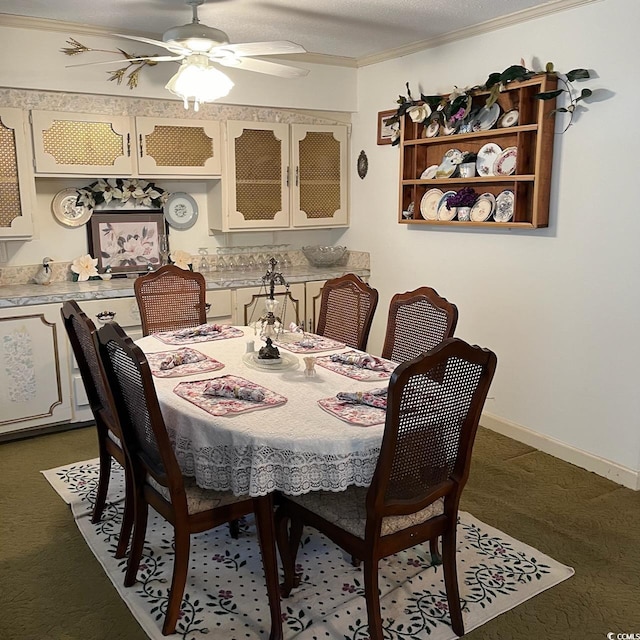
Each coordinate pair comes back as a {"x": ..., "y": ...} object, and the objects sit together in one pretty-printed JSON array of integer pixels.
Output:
[{"x": 16, "y": 295}]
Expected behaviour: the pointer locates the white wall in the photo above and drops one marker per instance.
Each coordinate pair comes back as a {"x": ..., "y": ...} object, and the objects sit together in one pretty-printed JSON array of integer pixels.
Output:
[{"x": 559, "y": 306}]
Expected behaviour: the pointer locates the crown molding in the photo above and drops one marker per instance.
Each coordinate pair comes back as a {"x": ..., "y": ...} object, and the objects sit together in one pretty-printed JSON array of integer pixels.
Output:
[
  {"x": 484, "y": 27},
  {"x": 45, "y": 24}
]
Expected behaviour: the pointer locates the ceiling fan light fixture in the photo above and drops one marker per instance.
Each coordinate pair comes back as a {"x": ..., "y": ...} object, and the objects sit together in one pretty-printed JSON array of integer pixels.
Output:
[{"x": 198, "y": 80}]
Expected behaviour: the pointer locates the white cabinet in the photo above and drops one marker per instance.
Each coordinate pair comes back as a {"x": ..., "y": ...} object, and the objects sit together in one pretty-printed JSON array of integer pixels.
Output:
[
  {"x": 17, "y": 187},
  {"x": 34, "y": 377},
  {"x": 280, "y": 176},
  {"x": 104, "y": 145},
  {"x": 313, "y": 293}
]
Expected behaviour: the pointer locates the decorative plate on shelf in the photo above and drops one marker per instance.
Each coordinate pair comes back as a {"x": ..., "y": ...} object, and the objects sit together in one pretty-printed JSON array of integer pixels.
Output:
[
  {"x": 446, "y": 169},
  {"x": 429, "y": 173},
  {"x": 450, "y": 129},
  {"x": 509, "y": 118},
  {"x": 505, "y": 204},
  {"x": 454, "y": 155},
  {"x": 487, "y": 157},
  {"x": 432, "y": 129},
  {"x": 180, "y": 211},
  {"x": 443, "y": 212},
  {"x": 483, "y": 208},
  {"x": 66, "y": 211},
  {"x": 505, "y": 163},
  {"x": 486, "y": 118},
  {"x": 429, "y": 204}
]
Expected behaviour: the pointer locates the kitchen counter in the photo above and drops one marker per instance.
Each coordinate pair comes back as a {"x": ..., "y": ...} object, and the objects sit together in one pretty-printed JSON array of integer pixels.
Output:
[{"x": 17, "y": 295}]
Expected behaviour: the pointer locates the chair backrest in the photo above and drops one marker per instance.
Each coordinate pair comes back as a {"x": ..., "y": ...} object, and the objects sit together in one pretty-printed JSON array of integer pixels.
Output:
[
  {"x": 81, "y": 330},
  {"x": 347, "y": 305},
  {"x": 418, "y": 321},
  {"x": 434, "y": 404},
  {"x": 171, "y": 298},
  {"x": 143, "y": 428}
]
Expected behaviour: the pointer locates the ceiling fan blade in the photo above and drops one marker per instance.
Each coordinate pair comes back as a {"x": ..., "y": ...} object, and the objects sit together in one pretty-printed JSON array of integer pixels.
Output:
[
  {"x": 263, "y": 66},
  {"x": 174, "y": 48},
  {"x": 125, "y": 60},
  {"x": 243, "y": 49}
]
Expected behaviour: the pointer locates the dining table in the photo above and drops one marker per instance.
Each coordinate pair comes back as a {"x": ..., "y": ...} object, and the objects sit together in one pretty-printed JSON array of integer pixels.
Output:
[{"x": 254, "y": 426}]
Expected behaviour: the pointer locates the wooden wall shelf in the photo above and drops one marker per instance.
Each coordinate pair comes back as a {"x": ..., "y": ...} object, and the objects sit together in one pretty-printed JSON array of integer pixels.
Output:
[{"x": 533, "y": 137}]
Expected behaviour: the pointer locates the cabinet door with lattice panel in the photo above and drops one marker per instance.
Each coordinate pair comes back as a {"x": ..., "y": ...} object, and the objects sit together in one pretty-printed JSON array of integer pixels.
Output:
[
  {"x": 258, "y": 175},
  {"x": 85, "y": 144},
  {"x": 319, "y": 176},
  {"x": 178, "y": 146},
  {"x": 16, "y": 176}
]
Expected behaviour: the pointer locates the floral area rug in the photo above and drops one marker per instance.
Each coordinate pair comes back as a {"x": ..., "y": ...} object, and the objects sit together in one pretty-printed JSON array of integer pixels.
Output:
[{"x": 225, "y": 595}]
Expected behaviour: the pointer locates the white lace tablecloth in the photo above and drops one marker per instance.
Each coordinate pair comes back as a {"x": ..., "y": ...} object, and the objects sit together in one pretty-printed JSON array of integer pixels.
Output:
[{"x": 294, "y": 448}]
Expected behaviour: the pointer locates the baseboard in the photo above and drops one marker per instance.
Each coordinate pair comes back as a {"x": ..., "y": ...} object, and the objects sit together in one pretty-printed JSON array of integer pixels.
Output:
[{"x": 603, "y": 467}]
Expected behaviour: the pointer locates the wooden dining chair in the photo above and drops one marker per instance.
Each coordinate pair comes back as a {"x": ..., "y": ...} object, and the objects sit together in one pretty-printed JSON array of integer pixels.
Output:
[
  {"x": 347, "y": 305},
  {"x": 418, "y": 321},
  {"x": 81, "y": 330},
  {"x": 159, "y": 483},
  {"x": 433, "y": 407},
  {"x": 171, "y": 298}
]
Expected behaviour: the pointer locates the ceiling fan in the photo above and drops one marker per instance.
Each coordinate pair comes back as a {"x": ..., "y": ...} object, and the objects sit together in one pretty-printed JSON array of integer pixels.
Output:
[{"x": 196, "y": 45}]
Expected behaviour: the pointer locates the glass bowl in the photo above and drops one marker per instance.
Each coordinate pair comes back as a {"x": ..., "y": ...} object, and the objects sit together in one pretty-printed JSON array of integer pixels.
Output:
[{"x": 320, "y": 256}]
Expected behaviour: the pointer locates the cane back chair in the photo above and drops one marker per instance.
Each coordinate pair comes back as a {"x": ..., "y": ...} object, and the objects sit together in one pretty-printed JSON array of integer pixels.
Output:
[
  {"x": 159, "y": 483},
  {"x": 171, "y": 298},
  {"x": 347, "y": 305},
  {"x": 418, "y": 321},
  {"x": 433, "y": 407},
  {"x": 81, "y": 330}
]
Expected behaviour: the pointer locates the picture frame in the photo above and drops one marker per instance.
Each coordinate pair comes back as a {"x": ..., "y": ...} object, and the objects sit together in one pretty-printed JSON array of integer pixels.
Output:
[
  {"x": 385, "y": 132},
  {"x": 127, "y": 242}
]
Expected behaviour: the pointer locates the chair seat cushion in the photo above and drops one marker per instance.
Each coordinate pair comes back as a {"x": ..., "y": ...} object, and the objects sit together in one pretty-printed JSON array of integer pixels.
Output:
[
  {"x": 347, "y": 510},
  {"x": 198, "y": 499}
]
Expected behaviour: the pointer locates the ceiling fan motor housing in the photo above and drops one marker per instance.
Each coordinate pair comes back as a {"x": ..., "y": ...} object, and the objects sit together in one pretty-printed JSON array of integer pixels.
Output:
[{"x": 197, "y": 37}]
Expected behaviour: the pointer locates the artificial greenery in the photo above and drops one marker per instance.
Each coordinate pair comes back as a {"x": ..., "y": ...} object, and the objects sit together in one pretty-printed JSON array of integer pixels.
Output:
[{"x": 455, "y": 106}]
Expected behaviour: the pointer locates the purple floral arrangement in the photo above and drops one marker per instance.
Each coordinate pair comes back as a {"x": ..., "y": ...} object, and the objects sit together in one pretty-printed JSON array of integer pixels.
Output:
[{"x": 466, "y": 197}]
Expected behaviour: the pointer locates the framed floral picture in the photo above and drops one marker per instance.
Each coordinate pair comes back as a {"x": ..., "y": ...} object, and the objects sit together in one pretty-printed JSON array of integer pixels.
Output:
[
  {"x": 386, "y": 132},
  {"x": 126, "y": 242}
]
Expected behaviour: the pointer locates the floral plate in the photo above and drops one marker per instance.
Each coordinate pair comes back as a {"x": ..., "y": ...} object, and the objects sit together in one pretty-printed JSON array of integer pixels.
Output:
[
  {"x": 487, "y": 158},
  {"x": 509, "y": 118},
  {"x": 429, "y": 204},
  {"x": 432, "y": 130},
  {"x": 66, "y": 211},
  {"x": 443, "y": 212},
  {"x": 504, "y": 206},
  {"x": 505, "y": 163},
  {"x": 486, "y": 118},
  {"x": 483, "y": 208},
  {"x": 429, "y": 172}
]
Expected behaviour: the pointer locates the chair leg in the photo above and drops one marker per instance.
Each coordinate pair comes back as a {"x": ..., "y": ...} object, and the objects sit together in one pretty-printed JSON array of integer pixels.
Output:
[
  {"x": 139, "y": 531},
  {"x": 127, "y": 516},
  {"x": 451, "y": 578},
  {"x": 103, "y": 484},
  {"x": 263, "y": 507},
  {"x": 234, "y": 529},
  {"x": 182, "y": 543},
  {"x": 372, "y": 598},
  {"x": 288, "y": 543},
  {"x": 436, "y": 558}
]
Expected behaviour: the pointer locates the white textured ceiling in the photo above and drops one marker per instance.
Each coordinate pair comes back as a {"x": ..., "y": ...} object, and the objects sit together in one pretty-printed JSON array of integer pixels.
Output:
[{"x": 349, "y": 28}]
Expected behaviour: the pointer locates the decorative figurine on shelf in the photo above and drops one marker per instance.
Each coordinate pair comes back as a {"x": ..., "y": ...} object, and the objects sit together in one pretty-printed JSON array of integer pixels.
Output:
[
  {"x": 107, "y": 275},
  {"x": 43, "y": 274}
]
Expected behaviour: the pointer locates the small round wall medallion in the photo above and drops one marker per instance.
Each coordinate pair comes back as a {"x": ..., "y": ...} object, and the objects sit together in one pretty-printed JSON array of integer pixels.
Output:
[{"x": 363, "y": 164}]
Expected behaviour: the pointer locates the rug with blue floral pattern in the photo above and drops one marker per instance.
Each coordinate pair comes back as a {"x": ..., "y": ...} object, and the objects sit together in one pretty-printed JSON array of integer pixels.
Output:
[{"x": 225, "y": 595}]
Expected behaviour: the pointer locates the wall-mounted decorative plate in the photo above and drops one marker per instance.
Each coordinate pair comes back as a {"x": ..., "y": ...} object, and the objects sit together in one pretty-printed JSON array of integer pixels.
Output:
[
  {"x": 180, "y": 211},
  {"x": 363, "y": 164},
  {"x": 66, "y": 211}
]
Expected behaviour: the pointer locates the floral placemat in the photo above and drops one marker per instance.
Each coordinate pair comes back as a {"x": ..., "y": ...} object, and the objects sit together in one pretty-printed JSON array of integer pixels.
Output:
[
  {"x": 201, "y": 333},
  {"x": 361, "y": 415},
  {"x": 356, "y": 370},
  {"x": 181, "y": 362},
  {"x": 196, "y": 393},
  {"x": 309, "y": 343}
]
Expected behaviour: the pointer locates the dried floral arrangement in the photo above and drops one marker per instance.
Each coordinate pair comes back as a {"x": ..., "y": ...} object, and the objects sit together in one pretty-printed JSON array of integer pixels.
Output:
[
  {"x": 455, "y": 106},
  {"x": 466, "y": 197}
]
